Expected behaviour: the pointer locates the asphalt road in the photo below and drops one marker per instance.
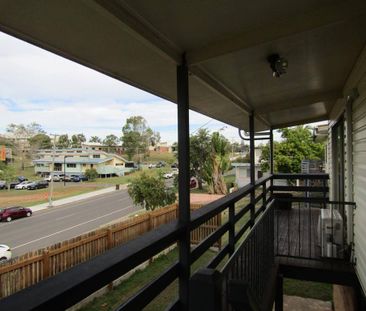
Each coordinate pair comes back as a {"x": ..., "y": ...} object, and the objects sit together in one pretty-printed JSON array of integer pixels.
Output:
[{"x": 61, "y": 223}]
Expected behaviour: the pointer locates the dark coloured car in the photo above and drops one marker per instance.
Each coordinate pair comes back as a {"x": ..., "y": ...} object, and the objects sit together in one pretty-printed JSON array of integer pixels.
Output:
[
  {"x": 10, "y": 213},
  {"x": 75, "y": 178},
  {"x": 38, "y": 185},
  {"x": 21, "y": 179},
  {"x": 13, "y": 184},
  {"x": 2, "y": 184}
]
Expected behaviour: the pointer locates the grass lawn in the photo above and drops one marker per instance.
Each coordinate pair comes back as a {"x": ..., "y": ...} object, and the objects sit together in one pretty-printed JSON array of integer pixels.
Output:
[
  {"x": 155, "y": 156},
  {"x": 307, "y": 289},
  {"x": 33, "y": 197},
  {"x": 130, "y": 286}
]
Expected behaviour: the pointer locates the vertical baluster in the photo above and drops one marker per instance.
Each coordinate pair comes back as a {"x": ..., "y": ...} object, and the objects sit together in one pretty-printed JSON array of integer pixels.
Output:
[{"x": 231, "y": 229}]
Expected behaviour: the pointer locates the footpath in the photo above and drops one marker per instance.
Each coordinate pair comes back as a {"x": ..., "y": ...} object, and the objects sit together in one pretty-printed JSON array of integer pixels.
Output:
[{"x": 76, "y": 198}]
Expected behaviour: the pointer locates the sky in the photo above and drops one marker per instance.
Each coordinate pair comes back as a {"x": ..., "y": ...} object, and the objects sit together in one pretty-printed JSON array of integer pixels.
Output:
[{"x": 67, "y": 98}]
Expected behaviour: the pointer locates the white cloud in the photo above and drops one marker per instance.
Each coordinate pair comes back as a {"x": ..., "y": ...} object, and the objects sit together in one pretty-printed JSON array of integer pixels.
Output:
[{"x": 65, "y": 97}]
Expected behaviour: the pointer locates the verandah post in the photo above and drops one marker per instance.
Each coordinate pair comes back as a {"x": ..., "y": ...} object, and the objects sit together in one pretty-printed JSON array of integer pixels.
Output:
[
  {"x": 252, "y": 167},
  {"x": 183, "y": 179},
  {"x": 271, "y": 159}
]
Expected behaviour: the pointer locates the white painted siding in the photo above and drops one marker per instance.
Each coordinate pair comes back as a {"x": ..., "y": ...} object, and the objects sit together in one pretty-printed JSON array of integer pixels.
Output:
[{"x": 359, "y": 174}]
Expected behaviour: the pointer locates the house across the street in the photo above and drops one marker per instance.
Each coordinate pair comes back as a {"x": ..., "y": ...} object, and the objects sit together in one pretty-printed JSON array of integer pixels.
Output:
[{"x": 76, "y": 161}]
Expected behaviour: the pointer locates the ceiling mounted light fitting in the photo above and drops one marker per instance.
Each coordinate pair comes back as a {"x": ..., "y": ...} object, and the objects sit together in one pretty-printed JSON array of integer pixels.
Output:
[{"x": 278, "y": 65}]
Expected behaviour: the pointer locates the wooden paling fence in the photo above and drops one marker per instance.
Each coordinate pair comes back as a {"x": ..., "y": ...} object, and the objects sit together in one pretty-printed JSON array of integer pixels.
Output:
[{"x": 33, "y": 267}]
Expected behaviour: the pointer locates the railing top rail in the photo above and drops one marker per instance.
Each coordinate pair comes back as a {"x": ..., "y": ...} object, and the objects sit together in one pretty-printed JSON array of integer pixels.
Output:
[{"x": 300, "y": 176}]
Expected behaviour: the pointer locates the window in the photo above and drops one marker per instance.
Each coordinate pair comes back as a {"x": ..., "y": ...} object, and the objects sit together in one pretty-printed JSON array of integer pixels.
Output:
[
  {"x": 96, "y": 156},
  {"x": 119, "y": 164},
  {"x": 71, "y": 165}
]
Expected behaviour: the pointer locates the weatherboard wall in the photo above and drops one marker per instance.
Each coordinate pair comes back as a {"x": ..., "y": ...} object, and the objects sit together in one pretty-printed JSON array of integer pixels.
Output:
[{"x": 358, "y": 80}]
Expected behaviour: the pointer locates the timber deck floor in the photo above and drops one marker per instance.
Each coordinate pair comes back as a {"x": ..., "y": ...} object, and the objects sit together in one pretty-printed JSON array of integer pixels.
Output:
[
  {"x": 296, "y": 232},
  {"x": 297, "y": 246}
]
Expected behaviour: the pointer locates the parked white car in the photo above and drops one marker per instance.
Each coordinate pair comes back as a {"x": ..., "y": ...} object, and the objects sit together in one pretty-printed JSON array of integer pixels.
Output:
[
  {"x": 23, "y": 185},
  {"x": 5, "y": 253},
  {"x": 55, "y": 178}
]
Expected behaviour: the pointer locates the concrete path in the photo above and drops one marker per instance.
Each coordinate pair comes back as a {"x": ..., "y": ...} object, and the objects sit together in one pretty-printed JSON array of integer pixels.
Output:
[{"x": 294, "y": 303}]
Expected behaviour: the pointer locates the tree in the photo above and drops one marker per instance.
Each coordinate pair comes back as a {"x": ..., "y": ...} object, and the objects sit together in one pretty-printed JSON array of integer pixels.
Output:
[
  {"x": 21, "y": 133},
  {"x": 136, "y": 136},
  {"x": 25, "y": 131},
  {"x": 95, "y": 139},
  {"x": 218, "y": 162},
  {"x": 150, "y": 192},
  {"x": 297, "y": 145},
  {"x": 7, "y": 173},
  {"x": 111, "y": 141},
  {"x": 63, "y": 141},
  {"x": 40, "y": 141},
  {"x": 91, "y": 173},
  {"x": 155, "y": 138},
  {"x": 199, "y": 153},
  {"x": 77, "y": 140}
]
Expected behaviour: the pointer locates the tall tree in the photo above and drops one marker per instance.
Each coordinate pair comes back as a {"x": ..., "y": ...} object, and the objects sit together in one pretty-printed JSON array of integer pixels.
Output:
[
  {"x": 21, "y": 133},
  {"x": 199, "y": 153},
  {"x": 297, "y": 144},
  {"x": 136, "y": 136},
  {"x": 95, "y": 139},
  {"x": 111, "y": 141},
  {"x": 218, "y": 162},
  {"x": 40, "y": 141},
  {"x": 25, "y": 130},
  {"x": 63, "y": 141},
  {"x": 77, "y": 140}
]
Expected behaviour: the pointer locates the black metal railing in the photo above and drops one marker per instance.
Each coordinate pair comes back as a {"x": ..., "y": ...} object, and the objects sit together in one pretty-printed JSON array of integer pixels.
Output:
[
  {"x": 252, "y": 263},
  {"x": 247, "y": 256},
  {"x": 69, "y": 287}
]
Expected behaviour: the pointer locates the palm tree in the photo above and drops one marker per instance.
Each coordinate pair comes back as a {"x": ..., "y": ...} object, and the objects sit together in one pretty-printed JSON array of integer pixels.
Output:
[{"x": 217, "y": 164}]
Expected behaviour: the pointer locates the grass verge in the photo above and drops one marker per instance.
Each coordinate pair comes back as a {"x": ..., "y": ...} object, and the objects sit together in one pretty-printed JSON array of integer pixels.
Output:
[{"x": 305, "y": 289}]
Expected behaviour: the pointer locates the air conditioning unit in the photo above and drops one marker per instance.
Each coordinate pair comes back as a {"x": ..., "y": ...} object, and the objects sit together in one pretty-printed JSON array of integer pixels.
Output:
[{"x": 330, "y": 232}]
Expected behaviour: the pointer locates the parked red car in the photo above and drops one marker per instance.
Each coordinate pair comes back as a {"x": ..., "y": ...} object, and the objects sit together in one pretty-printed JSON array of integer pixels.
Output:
[
  {"x": 193, "y": 183},
  {"x": 10, "y": 213}
]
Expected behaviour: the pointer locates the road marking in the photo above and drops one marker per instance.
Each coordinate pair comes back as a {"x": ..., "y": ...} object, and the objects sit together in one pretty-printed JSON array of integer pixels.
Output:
[
  {"x": 78, "y": 225},
  {"x": 63, "y": 217}
]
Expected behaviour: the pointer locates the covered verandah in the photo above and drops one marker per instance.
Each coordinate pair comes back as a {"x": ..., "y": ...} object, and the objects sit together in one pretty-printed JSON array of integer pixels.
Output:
[{"x": 257, "y": 66}]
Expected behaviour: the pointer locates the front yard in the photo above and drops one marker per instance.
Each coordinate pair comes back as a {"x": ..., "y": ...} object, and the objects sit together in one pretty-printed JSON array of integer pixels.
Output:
[{"x": 33, "y": 197}]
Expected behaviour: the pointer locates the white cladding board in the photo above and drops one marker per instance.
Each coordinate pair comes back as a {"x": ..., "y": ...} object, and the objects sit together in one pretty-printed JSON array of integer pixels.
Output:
[{"x": 359, "y": 176}]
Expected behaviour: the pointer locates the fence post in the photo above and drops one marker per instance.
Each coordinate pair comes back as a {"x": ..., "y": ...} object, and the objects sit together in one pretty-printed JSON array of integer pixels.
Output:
[
  {"x": 218, "y": 224},
  {"x": 150, "y": 227},
  {"x": 46, "y": 264},
  {"x": 110, "y": 243},
  {"x": 231, "y": 229}
]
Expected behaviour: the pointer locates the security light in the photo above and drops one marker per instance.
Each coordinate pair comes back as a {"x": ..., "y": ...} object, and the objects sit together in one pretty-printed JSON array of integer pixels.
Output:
[{"x": 278, "y": 65}]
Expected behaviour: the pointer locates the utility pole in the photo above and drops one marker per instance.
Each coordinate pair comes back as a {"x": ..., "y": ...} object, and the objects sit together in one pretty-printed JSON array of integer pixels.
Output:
[{"x": 50, "y": 204}]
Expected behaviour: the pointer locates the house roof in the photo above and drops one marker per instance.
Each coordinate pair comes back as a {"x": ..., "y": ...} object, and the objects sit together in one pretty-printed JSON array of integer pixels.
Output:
[
  {"x": 225, "y": 43},
  {"x": 79, "y": 160}
]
